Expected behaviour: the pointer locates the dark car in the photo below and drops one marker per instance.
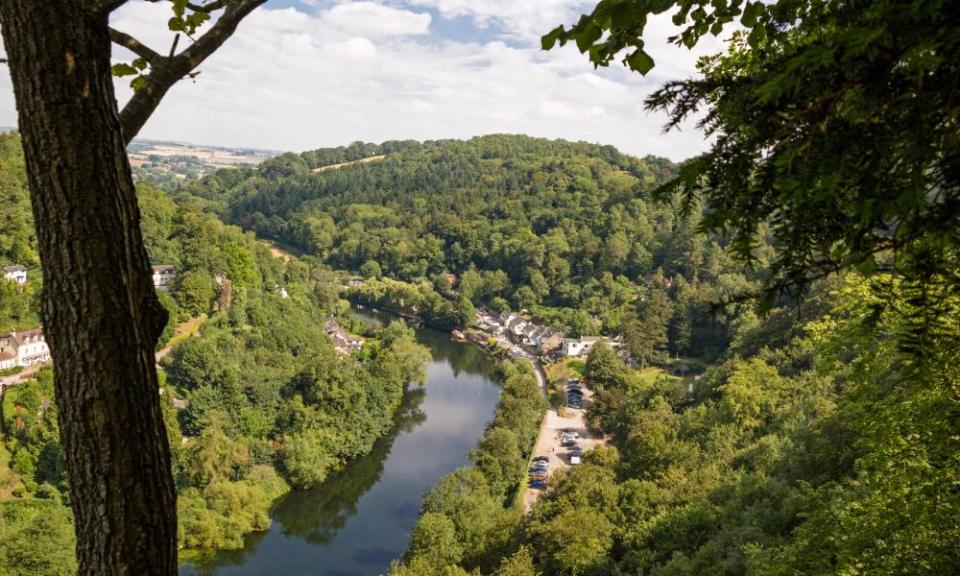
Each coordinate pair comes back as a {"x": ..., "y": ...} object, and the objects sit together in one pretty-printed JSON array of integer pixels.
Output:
[
  {"x": 542, "y": 459},
  {"x": 539, "y": 484}
]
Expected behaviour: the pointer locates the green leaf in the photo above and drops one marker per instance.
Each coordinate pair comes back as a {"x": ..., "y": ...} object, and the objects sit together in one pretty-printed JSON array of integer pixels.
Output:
[
  {"x": 179, "y": 8},
  {"x": 140, "y": 64},
  {"x": 640, "y": 61},
  {"x": 587, "y": 35},
  {"x": 868, "y": 266},
  {"x": 751, "y": 14},
  {"x": 122, "y": 69},
  {"x": 550, "y": 40},
  {"x": 138, "y": 82}
]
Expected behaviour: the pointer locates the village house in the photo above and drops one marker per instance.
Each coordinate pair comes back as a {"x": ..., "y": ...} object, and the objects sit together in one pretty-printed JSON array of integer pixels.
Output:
[
  {"x": 8, "y": 353},
  {"x": 531, "y": 334},
  {"x": 342, "y": 342},
  {"x": 488, "y": 325},
  {"x": 23, "y": 349},
  {"x": 164, "y": 277},
  {"x": 580, "y": 346},
  {"x": 15, "y": 273},
  {"x": 550, "y": 341},
  {"x": 517, "y": 326}
]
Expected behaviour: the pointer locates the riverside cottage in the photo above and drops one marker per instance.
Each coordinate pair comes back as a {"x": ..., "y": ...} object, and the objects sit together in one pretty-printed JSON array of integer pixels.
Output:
[{"x": 23, "y": 349}]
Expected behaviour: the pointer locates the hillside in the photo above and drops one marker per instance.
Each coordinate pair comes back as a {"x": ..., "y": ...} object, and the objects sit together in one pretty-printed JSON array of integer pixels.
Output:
[{"x": 563, "y": 229}]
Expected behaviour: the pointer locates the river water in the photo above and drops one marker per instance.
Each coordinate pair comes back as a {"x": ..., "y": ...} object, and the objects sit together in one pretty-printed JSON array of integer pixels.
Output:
[{"x": 360, "y": 518}]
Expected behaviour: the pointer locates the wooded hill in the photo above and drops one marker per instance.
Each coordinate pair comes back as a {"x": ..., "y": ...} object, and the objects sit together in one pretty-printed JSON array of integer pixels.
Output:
[{"x": 564, "y": 229}]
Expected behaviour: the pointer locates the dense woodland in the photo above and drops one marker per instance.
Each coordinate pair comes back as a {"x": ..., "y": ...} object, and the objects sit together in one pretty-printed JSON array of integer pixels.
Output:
[
  {"x": 815, "y": 442},
  {"x": 814, "y": 446},
  {"x": 566, "y": 230},
  {"x": 269, "y": 404},
  {"x": 19, "y": 305}
]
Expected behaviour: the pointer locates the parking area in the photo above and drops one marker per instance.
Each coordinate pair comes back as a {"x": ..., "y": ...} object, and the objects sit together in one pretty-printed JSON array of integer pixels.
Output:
[{"x": 562, "y": 438}]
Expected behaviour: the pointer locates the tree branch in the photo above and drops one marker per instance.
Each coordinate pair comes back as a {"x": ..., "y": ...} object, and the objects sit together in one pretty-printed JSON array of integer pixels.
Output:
[
  {"x": 135, "y": 46},
  {"x": 169, "y": 71},
  {"x": 106, "y": 6},
  {"x": 208, "y": 8}
]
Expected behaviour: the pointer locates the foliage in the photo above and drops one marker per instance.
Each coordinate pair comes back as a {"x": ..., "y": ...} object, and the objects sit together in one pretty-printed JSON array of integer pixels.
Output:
[
  {"x": 829, "y": 451},
  {"x": 19, "y": 305},
  {"x": 470, "y": 517},
  {"x": 833, "y": 123},
  {"x": 563, "y": 229},
  {"x": 36, "y": 537}
]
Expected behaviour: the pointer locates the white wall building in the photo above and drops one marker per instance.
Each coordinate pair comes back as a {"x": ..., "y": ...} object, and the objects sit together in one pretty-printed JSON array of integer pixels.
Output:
[
  {"x": 581, "y": 346},
  {"x": 15, "y": 273},
  {"x": 164, "y": 277},
  {"x": 23, "y": 349}
]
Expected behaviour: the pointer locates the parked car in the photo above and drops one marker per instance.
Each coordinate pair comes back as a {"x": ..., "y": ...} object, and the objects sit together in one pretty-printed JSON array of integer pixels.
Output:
[
  {"x": 539, "y": 484},
  {"x": 541, "y": 459},
  {"x": 543, "y": 468},
  {"x": 574, "y": 459}
]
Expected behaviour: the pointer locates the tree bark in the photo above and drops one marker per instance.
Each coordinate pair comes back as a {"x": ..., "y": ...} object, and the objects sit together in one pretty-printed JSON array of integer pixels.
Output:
[{"x": 100, "y": 312}]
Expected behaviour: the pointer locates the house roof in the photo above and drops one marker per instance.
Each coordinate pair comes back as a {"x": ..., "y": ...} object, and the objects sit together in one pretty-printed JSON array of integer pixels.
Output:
[
  {"x": 7, "y": 355},
  {"x": 22, "y": 337},
  {"x": 164, "y": 268},
  {"x": 14, "y": 268}
]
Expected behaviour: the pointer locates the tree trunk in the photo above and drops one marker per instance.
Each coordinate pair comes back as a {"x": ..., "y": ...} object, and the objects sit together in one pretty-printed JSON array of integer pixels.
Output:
[{"x": 100, "y": 313}]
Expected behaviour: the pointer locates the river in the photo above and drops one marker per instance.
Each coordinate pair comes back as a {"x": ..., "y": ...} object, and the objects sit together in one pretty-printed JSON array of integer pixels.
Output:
[{"x": 360, "y": 519}]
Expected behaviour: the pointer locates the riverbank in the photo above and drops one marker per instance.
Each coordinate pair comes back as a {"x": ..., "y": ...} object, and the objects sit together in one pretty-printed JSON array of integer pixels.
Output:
[{"x": 360, "y": 519}]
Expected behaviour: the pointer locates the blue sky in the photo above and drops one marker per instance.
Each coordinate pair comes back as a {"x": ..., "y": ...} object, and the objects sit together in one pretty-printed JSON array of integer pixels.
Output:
[{"x": 302, "y": 74}]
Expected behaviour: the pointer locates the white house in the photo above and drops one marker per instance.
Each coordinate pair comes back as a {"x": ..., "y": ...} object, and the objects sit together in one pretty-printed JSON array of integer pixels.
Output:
[
  {"x": 343, "y": 343},
  {"x": 23, "y": 349},
  {"x": 8, "y": 354},
  {"x": 15, "y": 273},
  {"x": 581, "y": 346},
  {"x": 164, "y": 277},
  {"x": 517, "y": 326}
]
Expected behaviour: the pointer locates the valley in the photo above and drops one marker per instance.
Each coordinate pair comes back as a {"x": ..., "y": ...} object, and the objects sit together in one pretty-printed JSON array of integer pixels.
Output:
[{"x": 301, "y": 433}]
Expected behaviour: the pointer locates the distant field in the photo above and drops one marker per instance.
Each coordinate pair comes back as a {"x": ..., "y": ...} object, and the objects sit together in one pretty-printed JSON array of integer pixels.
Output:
[
  {"x": 174, "y": 155},
  {"x": 330, "y": 167}
]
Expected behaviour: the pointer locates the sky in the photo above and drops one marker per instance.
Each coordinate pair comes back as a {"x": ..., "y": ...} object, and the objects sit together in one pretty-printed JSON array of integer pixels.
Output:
[{"x": 305, "y": 74}]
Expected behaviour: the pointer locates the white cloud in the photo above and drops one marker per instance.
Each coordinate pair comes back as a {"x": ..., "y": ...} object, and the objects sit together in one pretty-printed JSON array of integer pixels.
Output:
[
  {"x": 294, "y": 81},
  {"x": 372, "y": 19},
  {"x": 526, "y": 19}
]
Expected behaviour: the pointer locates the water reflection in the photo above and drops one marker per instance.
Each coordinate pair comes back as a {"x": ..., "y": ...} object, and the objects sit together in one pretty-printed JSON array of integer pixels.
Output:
[{"x": 361, "y": 518}]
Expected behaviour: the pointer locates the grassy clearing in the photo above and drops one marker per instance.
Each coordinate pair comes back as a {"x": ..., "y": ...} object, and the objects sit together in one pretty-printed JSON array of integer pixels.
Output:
[
  {"x": 186, "y": 330},
  {"x": 566, "y": 369}
]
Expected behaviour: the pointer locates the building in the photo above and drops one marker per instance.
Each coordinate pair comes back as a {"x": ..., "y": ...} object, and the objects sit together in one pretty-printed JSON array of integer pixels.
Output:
[
  {"x": 580, "y": 346},
  {"x": 550, "y": 341},
  {"x": 8, "y": 354},
  {"x": 516, "y": 326},
  {"x": 15, "y": 273},
  {"x": 164, "y": 277},
  {"x": 23, "y": 349},
  {"x": 342, "y": 342}
]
